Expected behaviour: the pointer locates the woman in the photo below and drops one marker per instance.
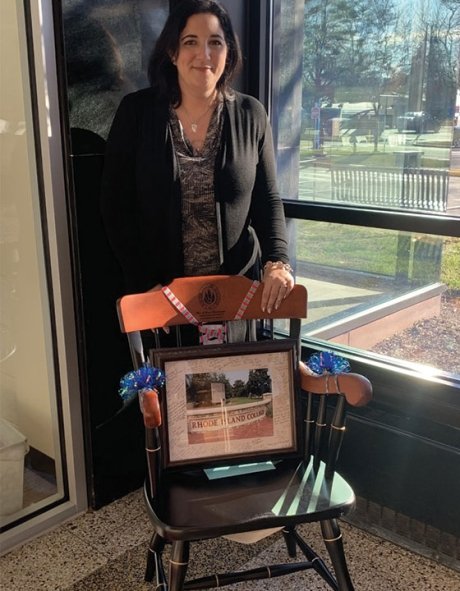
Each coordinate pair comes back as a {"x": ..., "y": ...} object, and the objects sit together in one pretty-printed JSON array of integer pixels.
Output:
[{"x": 189, "y": 185}]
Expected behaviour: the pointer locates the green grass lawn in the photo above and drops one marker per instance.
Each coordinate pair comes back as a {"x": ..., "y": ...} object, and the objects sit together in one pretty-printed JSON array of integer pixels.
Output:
[
  {"x": 242, "y": 400},
  {"x": 373, "y": 250},
  {"x": 450, "y": 268},
  {"x": 351, "y": 247}
]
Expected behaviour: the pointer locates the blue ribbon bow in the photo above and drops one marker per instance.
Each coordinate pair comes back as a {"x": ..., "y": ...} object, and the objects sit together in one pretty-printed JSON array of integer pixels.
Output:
[
  {"x": 327, "y": 362},
  {"x": 146, "y": 377}
]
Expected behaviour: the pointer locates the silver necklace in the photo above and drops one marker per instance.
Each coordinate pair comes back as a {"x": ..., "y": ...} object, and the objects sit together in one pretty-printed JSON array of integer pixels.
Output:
[{"x": 194, "y": 124}]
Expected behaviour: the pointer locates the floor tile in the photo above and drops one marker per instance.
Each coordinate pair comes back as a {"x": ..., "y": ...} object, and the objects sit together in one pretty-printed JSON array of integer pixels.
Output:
[
  {"x": 106, "y": 551},
  {"x": 374, "y": 565},
  {"x": 49, "y": 563}
]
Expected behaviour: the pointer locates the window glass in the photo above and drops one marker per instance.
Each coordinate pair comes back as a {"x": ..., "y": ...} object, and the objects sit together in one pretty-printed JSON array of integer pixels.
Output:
[
  {"x": 31, "y": 463},
  {"x": 378, "y": 121},
  {"x": 107, "y": 47},
  {"x": 393, "y": 293},
  {"x": 365, "y": 111}
]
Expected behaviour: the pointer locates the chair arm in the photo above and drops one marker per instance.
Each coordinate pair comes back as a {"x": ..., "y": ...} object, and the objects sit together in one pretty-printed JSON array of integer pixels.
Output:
[{"x": 356, "y": 388}]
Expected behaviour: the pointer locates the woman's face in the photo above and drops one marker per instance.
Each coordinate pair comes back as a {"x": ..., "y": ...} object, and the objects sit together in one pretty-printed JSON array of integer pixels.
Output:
[{"x": 202, "y": 54}]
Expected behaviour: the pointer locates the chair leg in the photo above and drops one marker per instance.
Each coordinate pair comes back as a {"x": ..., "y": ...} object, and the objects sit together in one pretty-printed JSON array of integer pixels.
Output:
[
  {"x": 290, "y": 542},
  {"x": 317, "y": 562},
  {"x": 332, "y": 537},
  {"x": 178, "y": 565},
  {"x": 154, "y": 565}
]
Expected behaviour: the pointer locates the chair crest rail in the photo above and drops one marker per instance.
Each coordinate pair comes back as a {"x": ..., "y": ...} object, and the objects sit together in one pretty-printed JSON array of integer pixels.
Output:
[{"x": 210, "y": 298}]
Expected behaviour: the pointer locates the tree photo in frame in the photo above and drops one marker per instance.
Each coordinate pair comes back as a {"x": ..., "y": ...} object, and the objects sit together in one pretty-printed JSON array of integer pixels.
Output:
[{"x": 226, "y": 403}]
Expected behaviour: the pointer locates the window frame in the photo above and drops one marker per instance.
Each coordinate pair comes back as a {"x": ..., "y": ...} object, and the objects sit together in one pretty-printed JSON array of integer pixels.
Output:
[{"x": 437, "y": 225}]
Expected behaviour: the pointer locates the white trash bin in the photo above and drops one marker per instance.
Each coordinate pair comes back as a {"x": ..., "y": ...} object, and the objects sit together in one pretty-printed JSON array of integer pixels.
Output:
[{"x": 13, "y": 448}]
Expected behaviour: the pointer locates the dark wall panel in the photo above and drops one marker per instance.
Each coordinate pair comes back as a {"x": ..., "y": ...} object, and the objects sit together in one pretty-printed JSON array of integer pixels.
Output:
[
  {"x": 406, "y": 472},
  {"x": 106, "y": 47},
  {"x": 106, "y": 44}
]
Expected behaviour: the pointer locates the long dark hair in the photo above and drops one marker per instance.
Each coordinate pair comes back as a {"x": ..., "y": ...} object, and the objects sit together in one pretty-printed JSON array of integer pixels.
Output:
[{"x": 161, "y": 71}]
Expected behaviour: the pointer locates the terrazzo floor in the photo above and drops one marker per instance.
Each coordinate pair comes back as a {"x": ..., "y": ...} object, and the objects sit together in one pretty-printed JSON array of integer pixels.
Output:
[{"x": 105, "y": 551}]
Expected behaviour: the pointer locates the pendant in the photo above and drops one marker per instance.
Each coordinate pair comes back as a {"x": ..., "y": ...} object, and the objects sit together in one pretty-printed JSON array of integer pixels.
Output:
[{"x": 194, "y": 127}]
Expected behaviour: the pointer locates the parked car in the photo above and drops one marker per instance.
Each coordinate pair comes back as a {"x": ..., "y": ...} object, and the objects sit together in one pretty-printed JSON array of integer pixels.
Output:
[
  {"x": 456, "y": 137},
  {"x": 417, "y": 121}
]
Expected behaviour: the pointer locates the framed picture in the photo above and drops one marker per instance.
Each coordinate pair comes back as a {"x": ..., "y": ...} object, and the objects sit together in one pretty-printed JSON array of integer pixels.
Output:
[{"x": 224, "y": 404}]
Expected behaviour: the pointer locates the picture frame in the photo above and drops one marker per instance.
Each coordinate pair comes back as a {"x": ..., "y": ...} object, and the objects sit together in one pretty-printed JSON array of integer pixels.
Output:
[{"x": 227, "y": 404}]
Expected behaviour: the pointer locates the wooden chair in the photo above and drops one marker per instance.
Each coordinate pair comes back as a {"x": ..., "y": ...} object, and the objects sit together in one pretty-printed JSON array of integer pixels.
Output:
[{"x": 184, "y": 505}]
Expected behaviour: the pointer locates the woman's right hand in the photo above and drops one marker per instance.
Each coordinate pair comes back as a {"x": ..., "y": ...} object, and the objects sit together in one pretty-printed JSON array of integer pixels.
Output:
[{"x": 278, "y": 283}]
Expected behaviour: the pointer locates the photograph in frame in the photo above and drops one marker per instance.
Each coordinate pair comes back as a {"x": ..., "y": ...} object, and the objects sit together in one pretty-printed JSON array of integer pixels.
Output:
[{"x": 228, "y": 402}]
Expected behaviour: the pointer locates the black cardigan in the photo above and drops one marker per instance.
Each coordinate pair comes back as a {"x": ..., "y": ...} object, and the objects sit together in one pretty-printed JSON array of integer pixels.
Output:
[{"x": 141, "y": 197}]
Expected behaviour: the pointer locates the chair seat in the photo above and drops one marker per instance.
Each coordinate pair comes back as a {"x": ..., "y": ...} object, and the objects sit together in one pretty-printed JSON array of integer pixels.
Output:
[{"x": 191, "y": 506}]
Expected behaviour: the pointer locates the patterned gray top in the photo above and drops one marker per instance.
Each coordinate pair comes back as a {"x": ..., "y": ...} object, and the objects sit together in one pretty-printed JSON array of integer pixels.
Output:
[{"x": 196, "y": 172}]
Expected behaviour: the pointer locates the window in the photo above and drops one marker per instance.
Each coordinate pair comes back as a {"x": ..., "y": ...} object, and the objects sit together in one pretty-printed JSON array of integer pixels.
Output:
[
  {"x": 391, "y": 292},
  {"x": 366, "y": 124}
]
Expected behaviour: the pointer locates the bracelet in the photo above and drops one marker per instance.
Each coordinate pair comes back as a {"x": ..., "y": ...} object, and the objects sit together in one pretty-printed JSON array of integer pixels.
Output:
[{"x": 269, "y": 265}]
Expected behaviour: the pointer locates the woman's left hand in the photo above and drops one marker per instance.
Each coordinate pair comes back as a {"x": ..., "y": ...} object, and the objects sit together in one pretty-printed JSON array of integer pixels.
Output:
[{"x": 278, "y": 283}]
